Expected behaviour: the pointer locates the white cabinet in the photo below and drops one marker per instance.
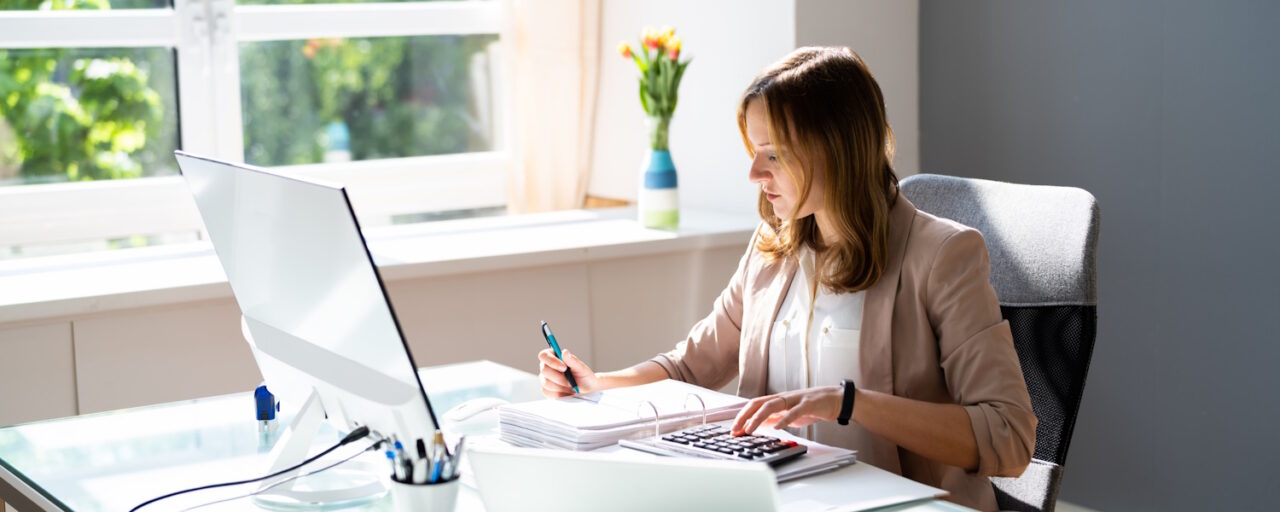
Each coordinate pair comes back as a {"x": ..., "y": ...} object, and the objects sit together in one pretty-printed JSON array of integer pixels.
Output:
[
  {"x": 37, "y": 375},
  {"x": 615, "y": 295},
  {"x": 153, "y": 355}
]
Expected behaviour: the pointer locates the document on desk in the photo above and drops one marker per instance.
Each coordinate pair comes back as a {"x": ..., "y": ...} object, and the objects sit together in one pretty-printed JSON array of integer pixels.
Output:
[
  {"x": 587, "y": 422},
  {"x": 854, "y": 488},
  {"x": 820, "y": 458}
]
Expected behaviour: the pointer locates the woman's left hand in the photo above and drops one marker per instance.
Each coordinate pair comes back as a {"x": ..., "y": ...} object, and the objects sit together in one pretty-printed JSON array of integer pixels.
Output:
[{"x": 793, "y": 408}]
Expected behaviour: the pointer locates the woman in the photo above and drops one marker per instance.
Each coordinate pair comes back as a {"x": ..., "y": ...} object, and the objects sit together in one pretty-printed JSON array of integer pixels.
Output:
[{"x": 845, "y": 279}]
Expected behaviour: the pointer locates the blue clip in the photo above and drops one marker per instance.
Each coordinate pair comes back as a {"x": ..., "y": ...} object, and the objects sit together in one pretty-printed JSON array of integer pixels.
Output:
[{"x": 266, "y": 403}]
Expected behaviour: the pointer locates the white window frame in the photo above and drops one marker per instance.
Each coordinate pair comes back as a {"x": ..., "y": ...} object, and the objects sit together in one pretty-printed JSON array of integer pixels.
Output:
[{"x": 206, "y": 35}]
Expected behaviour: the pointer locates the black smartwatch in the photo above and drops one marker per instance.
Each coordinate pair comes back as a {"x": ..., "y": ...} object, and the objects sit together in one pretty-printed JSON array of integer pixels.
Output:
[{"x": 846, "y": 407}]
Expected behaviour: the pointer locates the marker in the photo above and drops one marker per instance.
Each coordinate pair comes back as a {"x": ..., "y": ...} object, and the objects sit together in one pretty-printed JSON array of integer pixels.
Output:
[
  {"x": 551, "y": 340},
  {"x": 420, "y": 465}
]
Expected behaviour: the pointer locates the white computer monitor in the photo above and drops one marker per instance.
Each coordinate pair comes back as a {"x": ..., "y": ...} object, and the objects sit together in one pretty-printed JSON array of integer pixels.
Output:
[{"x": 314, "y": 307}]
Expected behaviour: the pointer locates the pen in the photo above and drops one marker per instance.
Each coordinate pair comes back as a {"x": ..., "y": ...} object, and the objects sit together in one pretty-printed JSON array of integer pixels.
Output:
[
  {"x": 437, "y": 446},
  {"x": 551, "y": 340},
  {"x": 402, "y": 459},
  {"x": 397, "y": 471},
  {"x": 457, "y": 449},
  {"x": 457, "y": 457}
]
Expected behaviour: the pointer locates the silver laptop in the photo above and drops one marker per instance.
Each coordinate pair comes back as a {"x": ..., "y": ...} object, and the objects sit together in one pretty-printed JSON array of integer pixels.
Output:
[{"x": 524, "y": 479}]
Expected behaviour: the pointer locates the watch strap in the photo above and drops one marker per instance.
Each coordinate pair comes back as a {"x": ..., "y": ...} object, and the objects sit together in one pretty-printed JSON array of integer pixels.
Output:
[{"x": 846, "y": 406}]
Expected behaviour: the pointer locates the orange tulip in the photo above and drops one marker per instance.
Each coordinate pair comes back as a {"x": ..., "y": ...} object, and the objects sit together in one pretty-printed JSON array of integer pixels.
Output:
[
  {"x": 624, "y": 49},
  {"x": 651, "y": 38},
  {"x": 673, "y": 47}
]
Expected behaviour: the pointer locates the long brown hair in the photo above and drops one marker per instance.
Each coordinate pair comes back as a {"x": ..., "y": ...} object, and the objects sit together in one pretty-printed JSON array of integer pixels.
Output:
[{"x": 823, "y": 105}]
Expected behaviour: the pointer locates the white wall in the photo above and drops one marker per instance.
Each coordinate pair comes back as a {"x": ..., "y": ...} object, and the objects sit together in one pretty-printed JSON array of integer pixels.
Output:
[
  {"x": 730, "y": 41},
  {"x": 886, "y": 33}
]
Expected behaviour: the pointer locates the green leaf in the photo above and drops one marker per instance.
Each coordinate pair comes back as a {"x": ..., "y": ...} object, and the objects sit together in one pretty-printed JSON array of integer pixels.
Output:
[
  {"x": 644, "y": 101},
  {"x": 644, "y": 57},
  {"x": 680, "y": 72}
]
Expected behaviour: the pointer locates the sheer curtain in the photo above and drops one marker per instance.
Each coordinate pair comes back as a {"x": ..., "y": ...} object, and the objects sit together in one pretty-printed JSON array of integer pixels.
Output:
[{"x": 552, "y": 56}]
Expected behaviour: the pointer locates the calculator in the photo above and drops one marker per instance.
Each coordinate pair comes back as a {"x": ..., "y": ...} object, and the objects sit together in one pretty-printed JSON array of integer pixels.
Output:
[{"x": 717, "y": 442}]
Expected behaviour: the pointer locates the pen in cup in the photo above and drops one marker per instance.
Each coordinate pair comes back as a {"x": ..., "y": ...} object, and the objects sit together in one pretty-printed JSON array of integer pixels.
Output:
[
  {"x": 457, "y": 458},
  {"x": 397, "y": 470},
  {"x": 551, "y": 340},
  {"x": 437, "y": 453},
  {"x": 406, "y": 463}
]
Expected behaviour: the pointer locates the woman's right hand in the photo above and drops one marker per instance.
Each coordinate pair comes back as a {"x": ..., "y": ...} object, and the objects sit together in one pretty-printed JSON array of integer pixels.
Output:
[{"x": 551, "y": 374}]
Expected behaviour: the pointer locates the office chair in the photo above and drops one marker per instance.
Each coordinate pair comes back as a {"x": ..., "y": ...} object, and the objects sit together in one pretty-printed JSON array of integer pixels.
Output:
[{"x": 1043, "y": 245}]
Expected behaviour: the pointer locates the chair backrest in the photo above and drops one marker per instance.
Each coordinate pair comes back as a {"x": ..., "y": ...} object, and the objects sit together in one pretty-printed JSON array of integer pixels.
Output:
[{"x": 1043, "y": 246}]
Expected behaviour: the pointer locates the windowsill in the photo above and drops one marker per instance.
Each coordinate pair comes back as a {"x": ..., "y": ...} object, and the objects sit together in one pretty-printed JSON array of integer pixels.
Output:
[{"x": 65, "y": 286}]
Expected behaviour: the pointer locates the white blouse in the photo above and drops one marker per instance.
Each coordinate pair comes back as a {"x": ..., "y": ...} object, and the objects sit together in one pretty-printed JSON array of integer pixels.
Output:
[{"x": 833, "y": 337}]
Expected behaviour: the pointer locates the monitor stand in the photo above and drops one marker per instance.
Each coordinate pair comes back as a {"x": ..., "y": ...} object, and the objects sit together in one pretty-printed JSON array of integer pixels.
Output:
[{"x": 350, "y": 484}]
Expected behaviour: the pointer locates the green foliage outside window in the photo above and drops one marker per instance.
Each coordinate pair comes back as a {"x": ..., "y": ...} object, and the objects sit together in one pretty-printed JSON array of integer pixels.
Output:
[
  {"x": 395, "y": 96},
  {"x": 92, "y": 114},
  {"x": 73, "y": 114}
]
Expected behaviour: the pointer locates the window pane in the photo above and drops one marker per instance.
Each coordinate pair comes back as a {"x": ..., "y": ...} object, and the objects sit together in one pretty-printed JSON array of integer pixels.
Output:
[
  {"x": 295, "y": 2},
  {"x": 67, "y": 5},
  {"x": 332, "y": 100},
  {"x": 86, "y": 114}
]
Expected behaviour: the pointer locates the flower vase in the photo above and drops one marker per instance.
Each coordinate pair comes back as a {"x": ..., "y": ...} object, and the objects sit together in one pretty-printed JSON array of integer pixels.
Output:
[{"x": 659, "y": 203}]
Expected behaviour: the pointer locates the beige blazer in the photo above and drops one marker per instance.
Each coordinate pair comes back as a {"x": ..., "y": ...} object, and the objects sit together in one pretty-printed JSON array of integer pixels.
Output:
[{"x": 931, "y": 330}]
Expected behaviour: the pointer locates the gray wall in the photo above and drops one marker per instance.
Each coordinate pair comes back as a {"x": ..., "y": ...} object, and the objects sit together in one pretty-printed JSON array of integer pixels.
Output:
[
  {"x": 886, "y": 34},
  {"x": 1168, "y": 112}
]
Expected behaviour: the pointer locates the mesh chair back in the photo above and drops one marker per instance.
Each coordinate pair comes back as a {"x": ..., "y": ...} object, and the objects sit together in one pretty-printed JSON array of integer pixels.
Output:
[{"x": 1043, "y": 242}]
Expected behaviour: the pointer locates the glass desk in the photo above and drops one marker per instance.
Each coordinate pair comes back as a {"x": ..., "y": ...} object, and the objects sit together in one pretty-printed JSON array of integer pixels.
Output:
[{"x": 118, "y": 459}]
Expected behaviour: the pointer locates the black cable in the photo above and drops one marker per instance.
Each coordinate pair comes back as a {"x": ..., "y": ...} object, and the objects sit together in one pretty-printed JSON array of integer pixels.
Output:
[
  {"x": 356, "y": 434},
  {"x": 292, "y": 478}
]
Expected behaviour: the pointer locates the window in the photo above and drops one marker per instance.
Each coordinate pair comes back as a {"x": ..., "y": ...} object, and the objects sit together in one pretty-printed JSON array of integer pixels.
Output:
[{"x": 399, "y": 101}]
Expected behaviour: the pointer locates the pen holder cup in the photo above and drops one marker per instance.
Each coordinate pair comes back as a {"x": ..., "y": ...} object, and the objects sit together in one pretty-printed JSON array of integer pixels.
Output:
[{"x": 438, "y": 497}]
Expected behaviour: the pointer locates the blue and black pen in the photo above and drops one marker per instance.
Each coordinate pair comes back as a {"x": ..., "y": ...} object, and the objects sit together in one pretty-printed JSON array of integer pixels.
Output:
[{"x": 551, "y": 340}]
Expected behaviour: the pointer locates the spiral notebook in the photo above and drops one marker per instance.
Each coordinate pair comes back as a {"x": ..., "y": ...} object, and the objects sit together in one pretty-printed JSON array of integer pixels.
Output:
[{"x": 596, "y": 420}]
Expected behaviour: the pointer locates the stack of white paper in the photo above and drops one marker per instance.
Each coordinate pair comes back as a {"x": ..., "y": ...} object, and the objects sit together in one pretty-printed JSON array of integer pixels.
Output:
[{"x": 587, "y": 422}]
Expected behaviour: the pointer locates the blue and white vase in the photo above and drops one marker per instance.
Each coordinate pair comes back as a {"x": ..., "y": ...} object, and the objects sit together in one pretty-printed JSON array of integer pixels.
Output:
[{"x": 659, "y": 202}]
